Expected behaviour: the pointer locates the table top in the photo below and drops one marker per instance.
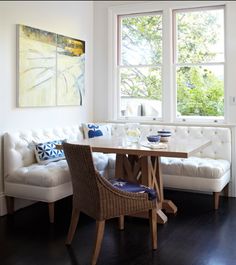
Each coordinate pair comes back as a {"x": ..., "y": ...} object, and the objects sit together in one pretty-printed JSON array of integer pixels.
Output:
[{"x": 173, "y": 148}]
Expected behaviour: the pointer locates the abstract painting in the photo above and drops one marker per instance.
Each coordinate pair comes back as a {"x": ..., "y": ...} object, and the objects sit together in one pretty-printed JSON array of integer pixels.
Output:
[
  {"x": 70, "y": 70},
  {"x": 51, "y": 69}
]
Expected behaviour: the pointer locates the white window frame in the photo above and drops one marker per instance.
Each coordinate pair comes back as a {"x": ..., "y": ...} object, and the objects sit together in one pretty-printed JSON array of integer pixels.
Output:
[
  {"x": 176, "y": 65},
  {"x": 168, "y": 68},
  {"x": 120, "y": 66}
]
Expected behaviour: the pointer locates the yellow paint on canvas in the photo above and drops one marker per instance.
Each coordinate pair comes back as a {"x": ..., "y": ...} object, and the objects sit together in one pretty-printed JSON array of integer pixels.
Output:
[
  {"x": 70, "y": 83},
  {"x": 70, "y": 71},
  {"x": 51, "y": 69},
  {"x": 37, "y": 65}
]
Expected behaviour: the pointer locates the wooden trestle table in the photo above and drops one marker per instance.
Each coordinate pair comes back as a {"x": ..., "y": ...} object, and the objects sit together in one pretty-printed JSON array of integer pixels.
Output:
[{"x": 138, "y": 162}]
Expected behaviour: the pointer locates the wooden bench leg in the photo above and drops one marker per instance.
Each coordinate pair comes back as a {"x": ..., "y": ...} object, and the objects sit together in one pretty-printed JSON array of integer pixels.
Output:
[
  {"x": 51, "y": 211},
  {"x": 216, "y": 200},
  {"x": 10, "y": 204}
]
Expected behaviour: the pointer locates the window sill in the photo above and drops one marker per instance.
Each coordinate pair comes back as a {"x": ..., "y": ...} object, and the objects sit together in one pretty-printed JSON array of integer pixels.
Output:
[{"x": 176, "y": 123}]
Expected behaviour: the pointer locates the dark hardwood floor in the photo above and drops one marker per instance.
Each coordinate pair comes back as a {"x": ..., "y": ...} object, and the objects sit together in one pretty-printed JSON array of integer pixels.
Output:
[{"x": 197, "y": 235}]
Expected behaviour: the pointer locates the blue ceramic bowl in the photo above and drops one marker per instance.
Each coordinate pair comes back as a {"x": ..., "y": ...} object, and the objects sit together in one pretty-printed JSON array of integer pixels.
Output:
[
  {"x": 154, "y": 138},
  {"x": 164, "y": 133}
]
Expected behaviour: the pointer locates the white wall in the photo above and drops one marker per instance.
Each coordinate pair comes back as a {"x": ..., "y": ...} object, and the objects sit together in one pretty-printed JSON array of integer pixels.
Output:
[
  {"x": 70, "y": 18},
  {"x": 101, "y": 90},
  {"x": 101, "y": 56}
]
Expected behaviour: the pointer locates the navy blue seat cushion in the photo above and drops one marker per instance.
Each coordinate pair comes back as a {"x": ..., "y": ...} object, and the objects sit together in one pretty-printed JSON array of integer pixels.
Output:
[{"x": 133, "y": 187}]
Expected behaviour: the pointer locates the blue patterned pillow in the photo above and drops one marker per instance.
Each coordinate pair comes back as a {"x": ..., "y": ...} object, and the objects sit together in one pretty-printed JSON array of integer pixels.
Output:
[
  {"x": 47, "y": 152},
  {"x": 133, "y": 187},
  {"x": 92, "y": 130}
]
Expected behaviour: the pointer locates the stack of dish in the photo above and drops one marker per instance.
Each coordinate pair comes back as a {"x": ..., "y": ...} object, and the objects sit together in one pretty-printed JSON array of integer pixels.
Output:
[{"x": 165, "y": 135}]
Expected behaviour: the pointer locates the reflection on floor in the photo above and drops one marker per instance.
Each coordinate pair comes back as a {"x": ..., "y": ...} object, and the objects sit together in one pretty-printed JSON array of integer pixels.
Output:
[{"x": 197, "y": 235}]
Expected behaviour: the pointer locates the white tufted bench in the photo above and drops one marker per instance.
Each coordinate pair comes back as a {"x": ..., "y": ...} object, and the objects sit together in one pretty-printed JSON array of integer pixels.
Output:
[
  {"x": 25, "y": 178},
  {"x": 208, "y": 171}
]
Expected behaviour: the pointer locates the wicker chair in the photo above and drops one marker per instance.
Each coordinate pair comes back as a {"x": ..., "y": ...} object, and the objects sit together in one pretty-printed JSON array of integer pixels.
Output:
[{"x": 96, "y": 197}]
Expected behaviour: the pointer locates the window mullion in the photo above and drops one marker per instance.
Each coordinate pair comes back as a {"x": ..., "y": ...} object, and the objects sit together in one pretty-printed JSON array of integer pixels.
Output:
[{"x": 167, "y": 82}]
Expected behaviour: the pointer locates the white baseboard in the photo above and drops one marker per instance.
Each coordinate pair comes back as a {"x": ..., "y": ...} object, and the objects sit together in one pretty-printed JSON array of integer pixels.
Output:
[{"x": 18, "y": 204}]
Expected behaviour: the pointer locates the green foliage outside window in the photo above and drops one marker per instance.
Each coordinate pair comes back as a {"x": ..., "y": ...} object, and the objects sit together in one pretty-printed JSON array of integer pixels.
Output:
[{"x": 200, "y": 88}]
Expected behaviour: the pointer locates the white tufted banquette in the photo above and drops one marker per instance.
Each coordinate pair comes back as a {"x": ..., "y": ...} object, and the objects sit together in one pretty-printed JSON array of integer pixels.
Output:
[
  {"x": 25, "y": 178},
  {"x": 208, "y": 170}
]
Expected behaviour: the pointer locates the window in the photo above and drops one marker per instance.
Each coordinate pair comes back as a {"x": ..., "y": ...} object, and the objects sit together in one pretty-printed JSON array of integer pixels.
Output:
[
  {"x": 168, "y": 63},
  {"x": 140, "y": 65},
  {"x": 199, "y": 62}
]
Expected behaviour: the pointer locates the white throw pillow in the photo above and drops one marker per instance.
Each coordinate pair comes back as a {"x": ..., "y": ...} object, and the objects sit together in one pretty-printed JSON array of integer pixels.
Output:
[{"x": 92, "y": 130}]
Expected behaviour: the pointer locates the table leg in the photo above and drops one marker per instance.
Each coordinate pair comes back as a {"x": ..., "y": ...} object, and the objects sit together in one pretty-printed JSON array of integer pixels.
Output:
[
  {"x": 167, "y": 205},
  {"x": 152, "y": 177},
  {"x": 127, "y": 167},
  {"x": 119, "y": 168},
  {"x": 150, "y": 170}
]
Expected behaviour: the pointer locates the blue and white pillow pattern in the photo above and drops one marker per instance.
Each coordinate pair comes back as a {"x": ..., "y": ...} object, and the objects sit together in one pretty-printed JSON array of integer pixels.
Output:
[
  {"x": 133, "y": 187},
  {"x": 47, "y": 152},
  {"x": 92, "y": 130}
]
